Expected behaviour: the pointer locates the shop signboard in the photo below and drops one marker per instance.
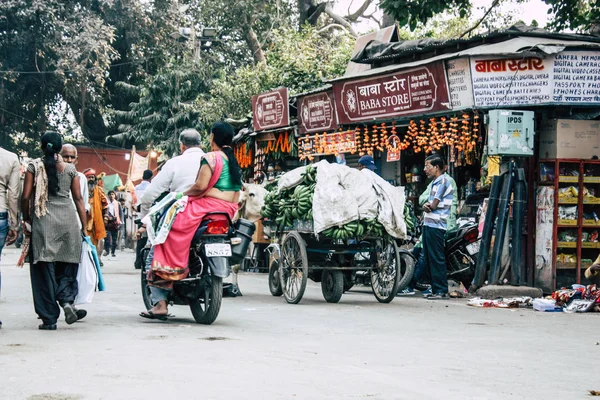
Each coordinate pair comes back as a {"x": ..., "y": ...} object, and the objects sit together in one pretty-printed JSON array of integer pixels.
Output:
[
  {"x": 571, "y": 77},
  {"x": 270, "y": 110},
  {"x": 459, "y": 83},
  {"x": 408, "y": 92},
  {"x": 316, "y": 113}
]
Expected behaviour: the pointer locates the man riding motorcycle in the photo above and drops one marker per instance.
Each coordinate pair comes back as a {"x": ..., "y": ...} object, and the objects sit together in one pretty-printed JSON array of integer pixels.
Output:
[{"x": 177, "y": 175}]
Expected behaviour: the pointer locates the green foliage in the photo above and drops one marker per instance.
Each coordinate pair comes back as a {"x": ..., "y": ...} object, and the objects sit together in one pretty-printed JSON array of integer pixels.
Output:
[
  {"x": 297, "y": 60},
  {"x": 566, "y": 14},
  {"x": 165, "y": 107},
  {"x": 573, "y": 14}
]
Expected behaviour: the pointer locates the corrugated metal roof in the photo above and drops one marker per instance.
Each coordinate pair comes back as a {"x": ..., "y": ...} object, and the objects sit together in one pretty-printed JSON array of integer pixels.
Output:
[
  {"x": 315, "y": 90},
  {"x": 522, "y": 46}
]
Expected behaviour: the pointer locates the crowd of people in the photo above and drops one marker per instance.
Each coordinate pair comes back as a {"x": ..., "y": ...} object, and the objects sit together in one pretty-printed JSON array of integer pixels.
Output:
[{"x": 60, "y": 206}]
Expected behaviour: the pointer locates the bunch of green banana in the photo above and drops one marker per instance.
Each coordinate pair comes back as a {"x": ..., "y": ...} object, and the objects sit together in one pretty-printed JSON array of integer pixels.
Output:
[
  {"x": 271, "y": 207},
  {"x": 373, "y": 228},
  {"x": 350, "y": 230},
  {"x": 408, "y": 218},
  {"x": 310, "y": 175}
]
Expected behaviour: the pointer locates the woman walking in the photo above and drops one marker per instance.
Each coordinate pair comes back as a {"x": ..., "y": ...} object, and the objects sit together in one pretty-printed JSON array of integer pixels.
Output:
[
  {"x": 51, "y": 220},
  {"x": 112, "y": 224}
]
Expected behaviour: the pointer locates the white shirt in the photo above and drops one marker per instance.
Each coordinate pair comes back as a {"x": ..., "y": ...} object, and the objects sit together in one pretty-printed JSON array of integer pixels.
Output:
[
  {"x": 140, "y": 190},
  {"x": 83, "y": 185},
  {"x": 177, "y": 175}
]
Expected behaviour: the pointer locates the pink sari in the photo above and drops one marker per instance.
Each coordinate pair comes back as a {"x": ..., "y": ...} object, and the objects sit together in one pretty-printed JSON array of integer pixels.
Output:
[{"x": 170, "y": 262}]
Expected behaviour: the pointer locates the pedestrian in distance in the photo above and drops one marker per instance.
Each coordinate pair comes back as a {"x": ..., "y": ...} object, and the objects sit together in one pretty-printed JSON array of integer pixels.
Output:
[
  {"x": 435, "y": 224},
  {"x": 112, "y": 223},
  {"x": 10, "y": 184},
  {"x": 97, "y": 214},
  {"x": 51, "y": 220}
]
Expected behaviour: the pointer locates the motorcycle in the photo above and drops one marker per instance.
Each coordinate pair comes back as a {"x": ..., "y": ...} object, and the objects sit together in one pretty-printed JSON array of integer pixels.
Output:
[
  {"x": 462, "y": 248},
  {"x": 216, "y": 243}
]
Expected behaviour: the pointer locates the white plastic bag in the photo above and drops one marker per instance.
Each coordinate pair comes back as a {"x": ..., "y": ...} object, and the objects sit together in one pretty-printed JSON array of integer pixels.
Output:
[{"x": 87, "y": 276}]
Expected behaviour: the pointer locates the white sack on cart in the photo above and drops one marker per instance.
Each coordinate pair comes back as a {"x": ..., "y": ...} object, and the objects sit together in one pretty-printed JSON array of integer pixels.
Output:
[
  {"x": 344, "y": 194},
  {"x": 333, "y": 204},
  {"x": 291, "y": 178}
]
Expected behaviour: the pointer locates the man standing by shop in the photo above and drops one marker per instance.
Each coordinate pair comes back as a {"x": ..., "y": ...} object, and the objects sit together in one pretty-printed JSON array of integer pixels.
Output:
[
  {"x": 98, "y": 208},
  {"x": 177, "y": 175},
  {"x": 435, "y": 223},
  {"x": 10, "y": 183}
]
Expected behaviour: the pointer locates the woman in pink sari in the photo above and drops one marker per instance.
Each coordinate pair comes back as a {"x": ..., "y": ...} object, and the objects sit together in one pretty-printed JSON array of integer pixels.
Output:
[{"x": 216, "y": 189}]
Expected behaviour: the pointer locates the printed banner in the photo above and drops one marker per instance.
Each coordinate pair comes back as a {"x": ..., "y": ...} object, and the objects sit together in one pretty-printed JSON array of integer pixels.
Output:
[
  {"x": 423, "y": 89},
  {"x": 138, "y": 165}
]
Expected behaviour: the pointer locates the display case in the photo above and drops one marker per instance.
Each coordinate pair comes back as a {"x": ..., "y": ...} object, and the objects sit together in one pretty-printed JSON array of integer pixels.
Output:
[{"x": 576, "y": 224}]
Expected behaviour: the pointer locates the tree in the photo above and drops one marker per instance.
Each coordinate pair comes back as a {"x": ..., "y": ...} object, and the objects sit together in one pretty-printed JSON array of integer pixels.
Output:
[
  {"x": 300, "y": 61},
  {"x": 577, "y": 15}
]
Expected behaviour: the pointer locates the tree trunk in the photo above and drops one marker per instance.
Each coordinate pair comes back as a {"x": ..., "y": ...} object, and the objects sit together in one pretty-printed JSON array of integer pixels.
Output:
[
  {"x": 254, "y": 45},
  {"x": 93, "y": 126}
]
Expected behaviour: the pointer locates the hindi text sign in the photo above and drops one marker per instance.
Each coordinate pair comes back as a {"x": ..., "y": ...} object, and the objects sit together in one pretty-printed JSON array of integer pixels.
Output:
[
  {"x": 414, "y": 91},
  {"x": 270, "y": 110},
  {"x": 316, "y": 113}
]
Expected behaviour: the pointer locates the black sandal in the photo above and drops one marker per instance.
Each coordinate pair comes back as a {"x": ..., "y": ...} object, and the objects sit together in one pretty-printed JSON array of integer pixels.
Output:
[
  {"x": 151, "y": 315},
  {"x": 45, "y": 327}
]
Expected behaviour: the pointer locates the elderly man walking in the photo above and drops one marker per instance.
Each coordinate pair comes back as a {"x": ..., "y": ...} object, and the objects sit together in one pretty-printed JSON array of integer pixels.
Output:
[
  {"x": 10, "y": 183},
  {"x": 98, "y": 208},
  {"x": 69, "y": 155}
]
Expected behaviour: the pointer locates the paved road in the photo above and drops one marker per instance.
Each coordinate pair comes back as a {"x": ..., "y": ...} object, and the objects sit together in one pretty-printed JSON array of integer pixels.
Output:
[{"x": 262, "y": 348}]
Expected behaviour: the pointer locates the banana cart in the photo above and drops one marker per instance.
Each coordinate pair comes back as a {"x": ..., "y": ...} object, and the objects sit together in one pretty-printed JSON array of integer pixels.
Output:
[{"x": 300, "y": 254}]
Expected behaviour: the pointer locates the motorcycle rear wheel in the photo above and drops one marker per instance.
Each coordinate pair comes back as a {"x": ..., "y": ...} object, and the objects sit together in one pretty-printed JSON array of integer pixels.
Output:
[{"x": 205, "y": 310}]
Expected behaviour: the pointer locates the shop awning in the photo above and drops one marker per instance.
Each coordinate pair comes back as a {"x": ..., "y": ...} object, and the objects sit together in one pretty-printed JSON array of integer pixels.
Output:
[{"x": 521, "y": 46}]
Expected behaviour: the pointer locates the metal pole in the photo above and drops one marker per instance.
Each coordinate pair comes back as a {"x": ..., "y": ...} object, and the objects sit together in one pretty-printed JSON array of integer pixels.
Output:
[
  {"x": 488, "y": 228},
  {"x": 519, "y": 204},
  {"x": 501, "y": 224}
]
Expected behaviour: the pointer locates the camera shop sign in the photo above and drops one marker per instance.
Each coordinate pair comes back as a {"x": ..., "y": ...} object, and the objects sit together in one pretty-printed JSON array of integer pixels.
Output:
[
  {"x": 414, "y": 91},
  {"x": 316, "y": 113},
  {"x": 270, "y": 110}
]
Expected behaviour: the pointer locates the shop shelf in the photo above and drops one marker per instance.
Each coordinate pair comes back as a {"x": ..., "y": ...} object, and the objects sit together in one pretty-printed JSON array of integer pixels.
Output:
[
  {"x": 591, "y": 200},
  {"x": 567, "y": 201},
  {"x": 590, "y": 245},
  {"x": 568, "y": 179},
  {"x": 567, "y": 222},
  {"x": 566, "y": 245},
  {"x": 566, "y": 265},
  {"x": 590, "y": 223},
  {"x": 591, "y": 179}
]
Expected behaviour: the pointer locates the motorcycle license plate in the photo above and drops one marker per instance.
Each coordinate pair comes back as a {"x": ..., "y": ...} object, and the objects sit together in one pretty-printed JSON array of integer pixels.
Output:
[
  {"x": 473, "y": 248},
  {"x": 217, "y": 249}
]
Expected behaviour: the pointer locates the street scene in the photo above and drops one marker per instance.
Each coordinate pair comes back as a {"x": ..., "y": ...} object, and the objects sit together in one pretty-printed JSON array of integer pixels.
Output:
[
  {"x": 299, "y": 199},
  {"x": 262, "y": 347}
]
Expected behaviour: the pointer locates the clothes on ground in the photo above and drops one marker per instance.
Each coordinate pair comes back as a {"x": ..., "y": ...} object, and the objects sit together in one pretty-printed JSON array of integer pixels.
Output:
[
  {"x": 441, "y": 189},
  {"x": 55, "y": 235},
  {"x": 10, "y": 186}
]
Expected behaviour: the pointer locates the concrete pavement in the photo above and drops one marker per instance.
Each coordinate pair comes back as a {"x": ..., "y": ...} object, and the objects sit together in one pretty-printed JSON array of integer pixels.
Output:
[{"x": 260, "y": 347}]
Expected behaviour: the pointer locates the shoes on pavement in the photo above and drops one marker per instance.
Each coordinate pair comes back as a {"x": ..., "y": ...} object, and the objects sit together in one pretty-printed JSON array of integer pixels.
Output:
[
  {"x": 44, "y": 327},
  {"x": 406, "y": 292},
  {"x": 113, "y": 255},
  {"x": 105, "y": 254},
  {"x": 70, "y": 314},
  {"x": 421, "y": 287},
  {"x": 80, "y": 314},
  {"x": 438, "y": 296},
  {"x": 101, "y": 264},
  {"x": 426, "y": 292}
]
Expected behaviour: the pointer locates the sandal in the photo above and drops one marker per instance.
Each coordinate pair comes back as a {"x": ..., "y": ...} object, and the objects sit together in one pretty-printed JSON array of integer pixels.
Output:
[{"x": 151, "y": 315}]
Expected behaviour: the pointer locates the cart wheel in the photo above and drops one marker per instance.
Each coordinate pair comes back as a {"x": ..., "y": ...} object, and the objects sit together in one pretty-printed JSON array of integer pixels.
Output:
[
  {"x": 332, "y": 285},
  {"x": 407, "y": 269},
  {"x": 293, "y": 268},
  {"x": 274, "y": 281},
  {"x": 385, "y": 275}
]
